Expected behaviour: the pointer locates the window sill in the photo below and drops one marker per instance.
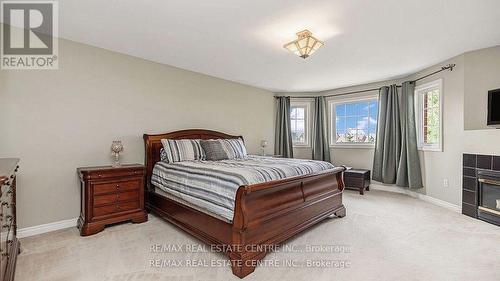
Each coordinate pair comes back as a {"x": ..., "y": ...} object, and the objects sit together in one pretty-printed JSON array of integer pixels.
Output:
[
  {"x": 430, "y": 149},
  {"x": 301, "y": 146},
  {"x": 355, "y": 146}
]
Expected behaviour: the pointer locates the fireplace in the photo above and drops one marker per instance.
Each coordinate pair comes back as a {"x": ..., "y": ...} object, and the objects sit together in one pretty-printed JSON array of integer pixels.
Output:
[
  {"x": 488, "y": 208},
  {"x": 481, "y": 187}
]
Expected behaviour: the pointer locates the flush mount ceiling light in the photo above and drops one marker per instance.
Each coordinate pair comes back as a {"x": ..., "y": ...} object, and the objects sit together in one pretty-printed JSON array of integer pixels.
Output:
[{"x": 305, "y": 45}]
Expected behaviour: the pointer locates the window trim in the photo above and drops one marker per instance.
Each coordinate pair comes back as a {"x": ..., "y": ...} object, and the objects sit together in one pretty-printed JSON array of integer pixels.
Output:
[
  {"x": 307, "y": 122},
  {"x": 419, "y": 90},
  {"x": 332, "y": 114}
]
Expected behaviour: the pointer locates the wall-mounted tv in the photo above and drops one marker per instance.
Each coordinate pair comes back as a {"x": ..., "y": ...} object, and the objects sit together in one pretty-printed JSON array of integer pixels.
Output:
[{"x": 494, "y": 108}]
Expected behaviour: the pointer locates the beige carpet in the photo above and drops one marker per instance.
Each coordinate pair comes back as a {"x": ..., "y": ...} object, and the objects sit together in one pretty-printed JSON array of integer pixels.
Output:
[{"x": 385, "y": 236}]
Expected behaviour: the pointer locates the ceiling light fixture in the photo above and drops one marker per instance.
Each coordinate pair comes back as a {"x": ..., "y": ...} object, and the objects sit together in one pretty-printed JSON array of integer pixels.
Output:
[{"x": 305, "y": 45}]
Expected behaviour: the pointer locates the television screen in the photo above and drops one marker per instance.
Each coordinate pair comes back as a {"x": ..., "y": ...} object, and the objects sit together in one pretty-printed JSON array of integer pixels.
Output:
[{"x": 494, "y": 107}]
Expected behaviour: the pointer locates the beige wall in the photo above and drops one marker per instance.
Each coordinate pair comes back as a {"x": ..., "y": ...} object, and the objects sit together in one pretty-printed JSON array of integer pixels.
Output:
[
  {"x": 481, "y": 75},
  {"x": 56, "y": 121}
]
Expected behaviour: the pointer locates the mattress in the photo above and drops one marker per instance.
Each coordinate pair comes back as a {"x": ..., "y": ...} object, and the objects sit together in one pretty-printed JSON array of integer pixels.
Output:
[{"x": 211, "y": 186}]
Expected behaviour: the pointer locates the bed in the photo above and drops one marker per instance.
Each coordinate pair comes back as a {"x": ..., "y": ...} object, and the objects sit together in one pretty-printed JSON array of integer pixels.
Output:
[{"x": 263, "y": 213}]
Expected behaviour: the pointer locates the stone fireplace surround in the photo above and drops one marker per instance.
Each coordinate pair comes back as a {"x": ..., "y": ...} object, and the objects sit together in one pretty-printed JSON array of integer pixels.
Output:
[{"x": 472, "y": 164}]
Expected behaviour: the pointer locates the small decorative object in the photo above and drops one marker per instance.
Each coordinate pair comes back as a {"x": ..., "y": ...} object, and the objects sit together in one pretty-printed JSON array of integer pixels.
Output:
[
  {"x": 116, "y": 148},
  {"x": 263, "y": 144},
  {"x": 305, "y": 45}
]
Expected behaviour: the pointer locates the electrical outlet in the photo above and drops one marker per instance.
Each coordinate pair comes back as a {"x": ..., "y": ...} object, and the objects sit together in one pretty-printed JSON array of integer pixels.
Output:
[{"x": 446, "y": 183}]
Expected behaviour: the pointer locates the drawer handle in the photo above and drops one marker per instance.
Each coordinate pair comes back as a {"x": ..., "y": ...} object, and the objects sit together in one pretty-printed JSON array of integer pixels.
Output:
[
  {"x": 117, "y": 186},
  {"x": 99, "y": 175}
]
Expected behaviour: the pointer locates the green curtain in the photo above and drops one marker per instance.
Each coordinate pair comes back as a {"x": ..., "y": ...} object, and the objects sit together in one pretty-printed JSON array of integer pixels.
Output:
[
  {"x": 320, "y": 147},
  {"x": 396, "y": 158},
  {"x": 283, "y": 135},
  {"x": 409, "y": 173}
]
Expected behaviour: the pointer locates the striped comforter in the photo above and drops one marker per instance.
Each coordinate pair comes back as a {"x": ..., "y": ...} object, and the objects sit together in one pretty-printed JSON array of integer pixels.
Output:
[{"x": 211, "y": 185}]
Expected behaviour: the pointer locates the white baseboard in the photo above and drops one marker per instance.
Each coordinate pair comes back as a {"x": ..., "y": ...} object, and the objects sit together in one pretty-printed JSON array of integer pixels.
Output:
[
  {"x": 44, "y": 228},
  {"x": 417, "y": 195}
]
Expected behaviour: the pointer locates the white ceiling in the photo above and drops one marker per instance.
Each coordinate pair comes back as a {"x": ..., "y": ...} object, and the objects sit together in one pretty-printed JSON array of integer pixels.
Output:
[{"x": 365, "y": 40}]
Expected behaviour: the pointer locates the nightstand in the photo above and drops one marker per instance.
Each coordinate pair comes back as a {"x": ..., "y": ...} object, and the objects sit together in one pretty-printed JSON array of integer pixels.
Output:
[{"x": 110, "y": 195}]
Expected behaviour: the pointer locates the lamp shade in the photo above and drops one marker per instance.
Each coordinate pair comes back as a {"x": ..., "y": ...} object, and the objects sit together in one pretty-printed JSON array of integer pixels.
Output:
[{"x": 305, "y": 45}]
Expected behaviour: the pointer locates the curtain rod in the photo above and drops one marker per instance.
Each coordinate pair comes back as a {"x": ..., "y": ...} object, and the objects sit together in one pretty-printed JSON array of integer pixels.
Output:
[{"x": 446, "y": 67}]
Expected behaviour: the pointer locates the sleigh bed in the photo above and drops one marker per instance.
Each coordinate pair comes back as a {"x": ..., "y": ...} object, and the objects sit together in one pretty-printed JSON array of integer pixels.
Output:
[{"x": 265, "y": 214}]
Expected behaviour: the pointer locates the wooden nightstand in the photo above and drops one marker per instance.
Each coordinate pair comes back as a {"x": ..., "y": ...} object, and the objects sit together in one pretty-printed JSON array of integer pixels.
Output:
[{"x": 110, "y": 195}]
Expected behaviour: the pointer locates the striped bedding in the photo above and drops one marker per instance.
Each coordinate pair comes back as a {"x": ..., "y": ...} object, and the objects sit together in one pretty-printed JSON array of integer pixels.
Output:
[{"x": 211, "y": 185}]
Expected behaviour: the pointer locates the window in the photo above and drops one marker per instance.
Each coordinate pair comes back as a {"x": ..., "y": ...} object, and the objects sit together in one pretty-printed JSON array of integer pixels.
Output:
[
  {"x": 429, "y": 115},
  {"x": 299, "y": 118},
  {"x": 354, "y": 122}
]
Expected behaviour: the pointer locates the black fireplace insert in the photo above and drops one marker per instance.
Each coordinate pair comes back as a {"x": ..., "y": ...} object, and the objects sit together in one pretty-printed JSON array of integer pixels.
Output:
[{"x": 488, "y": 208}]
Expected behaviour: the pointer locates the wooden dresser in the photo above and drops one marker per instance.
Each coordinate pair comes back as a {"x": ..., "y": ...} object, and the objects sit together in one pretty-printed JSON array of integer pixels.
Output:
[
  {"x": 9, "y": 245},
  {"x": 110, "y": 195}
]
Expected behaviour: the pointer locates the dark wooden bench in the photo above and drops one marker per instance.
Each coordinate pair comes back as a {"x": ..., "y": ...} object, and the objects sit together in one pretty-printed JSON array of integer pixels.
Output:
[{"x": 357, "y": 179}]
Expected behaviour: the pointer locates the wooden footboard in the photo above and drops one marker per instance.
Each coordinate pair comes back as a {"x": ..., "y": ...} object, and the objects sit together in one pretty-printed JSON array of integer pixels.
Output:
[
  {"x": 269, "y": 213},
  {"x": 265, "y": 214}
]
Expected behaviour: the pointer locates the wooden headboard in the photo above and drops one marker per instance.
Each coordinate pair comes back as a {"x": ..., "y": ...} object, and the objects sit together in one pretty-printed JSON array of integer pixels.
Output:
[{"x": 153, "y": 145}]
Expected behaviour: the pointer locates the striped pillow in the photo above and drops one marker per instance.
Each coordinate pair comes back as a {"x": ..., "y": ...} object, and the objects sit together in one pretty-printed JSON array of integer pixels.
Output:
[
  {"x": 182, "y": 150},
  {"x": 235, "y": 148}
]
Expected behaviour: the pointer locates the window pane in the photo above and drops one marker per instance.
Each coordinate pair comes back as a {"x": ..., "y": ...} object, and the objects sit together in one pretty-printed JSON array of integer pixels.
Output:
[
  {"x": 300, "y": 125},
  {"x": 361, "y": 136},
  {"x": 298, "y": 119},
  {"x": 430, "y": 127},
  {"x": 350, "y": 109},
  {"x": 374, "y": 109},
  {"x": 340, "y": 137},
  {"x": 350, "y": 136},
  {"x": 340, "y": 109},
  {"x": 356, "y": 122},
  {"x": 362, "y": 123},
  {"x": 432, "y": 135},
  {"x": 433, "y": 98},
  {"x": 433, "y": 117},
  {"x": 300, "y": 112},
  {"x": 362, "y": 108},
  {"x": 351, "y": 123},
  {"x": 430, "y": 112},
  {"x": 293, "y": 113},
  {"x": 340, "y": 124}
]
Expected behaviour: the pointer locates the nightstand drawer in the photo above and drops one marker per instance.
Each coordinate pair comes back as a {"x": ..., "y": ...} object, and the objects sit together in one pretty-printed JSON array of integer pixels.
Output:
[
  {"x": 115, "y": 208},
  {"x": 102, "y": 188},
  {"x": 116, "y": 197}
]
